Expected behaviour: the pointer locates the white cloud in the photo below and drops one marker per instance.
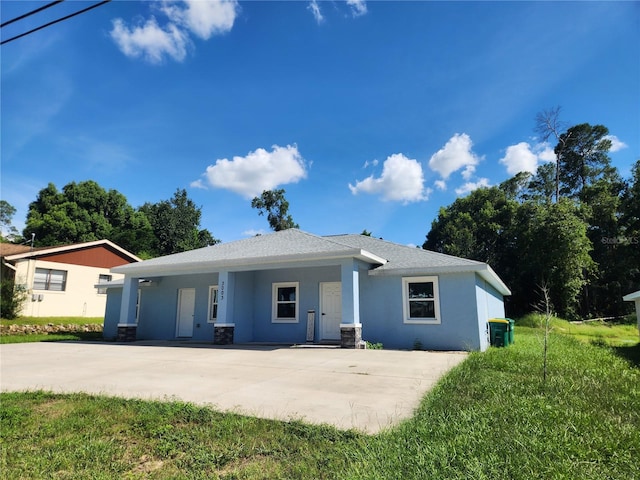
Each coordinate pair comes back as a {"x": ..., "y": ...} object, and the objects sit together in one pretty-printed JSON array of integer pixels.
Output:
[
  {"x": 315, "y": 9},
  {"x": 150, "y": 41},
  {"x": 358, "y": 7},
  {"x": 523, "y": 157},
  {"x": 616, "y": 144},
  {"x": 519, "y": 158},
  {"x": 203, "y": 18},
  {"x": 471, "y": 186},
  {"x": 468, "y": 172},
  {"x": 455, "y": 155},
  {"x": 258, "y": 171},
  {"x": 198, "y": 184},
  {"x": 440, "y": 184},
  {"x": 372, "y": 163},
  {"x": 153, "y": 42},
  {"x": 402, "y": 180},
  {"x": 544, "y": 152}
]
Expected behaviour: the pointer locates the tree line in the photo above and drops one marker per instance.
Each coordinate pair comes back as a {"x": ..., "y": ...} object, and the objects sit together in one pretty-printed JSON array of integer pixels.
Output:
[
  {"x": 84, "y": 212},
  {"x": 573, "y": 228}
]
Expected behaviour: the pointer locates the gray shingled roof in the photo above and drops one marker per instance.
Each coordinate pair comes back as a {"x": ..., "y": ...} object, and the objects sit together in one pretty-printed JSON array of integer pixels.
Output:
[
  {"x": 294, "y": 245},
  {"x": 404, "y": 260},
  {"x": 285, "y": 246},
  {"x": 402, "y": 256}
]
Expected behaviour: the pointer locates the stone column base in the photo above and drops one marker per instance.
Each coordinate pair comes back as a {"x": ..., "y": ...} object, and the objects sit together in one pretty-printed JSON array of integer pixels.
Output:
[
  {"x": 223, "y": 334},
  {"x": 126, "y": 333},
  {"x": 350, "y": 336}
]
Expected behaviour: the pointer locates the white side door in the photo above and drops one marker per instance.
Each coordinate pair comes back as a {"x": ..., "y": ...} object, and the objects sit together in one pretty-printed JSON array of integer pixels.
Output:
[
  {"x": 330, "y": 310},
  {"x": 186, "y": 312}
]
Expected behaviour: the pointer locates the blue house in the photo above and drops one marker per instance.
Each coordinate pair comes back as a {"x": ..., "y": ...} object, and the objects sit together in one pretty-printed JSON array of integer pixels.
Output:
[{"x": 294, "y": 287}]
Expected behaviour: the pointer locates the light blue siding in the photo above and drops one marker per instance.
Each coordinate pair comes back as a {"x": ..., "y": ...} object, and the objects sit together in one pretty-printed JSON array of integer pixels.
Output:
[
  {"x": 309, "y": 299},
  {"x": 490, "y": 304},
  {"x": 381, "y": 314},
  {"x": 112, "y": 313},
  {"x": 159, "y": 307},
  {"x": 466, "y": 302}
]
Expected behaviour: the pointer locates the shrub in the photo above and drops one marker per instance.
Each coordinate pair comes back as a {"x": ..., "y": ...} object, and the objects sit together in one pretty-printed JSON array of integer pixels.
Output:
[{"x": 11, "y": 299}]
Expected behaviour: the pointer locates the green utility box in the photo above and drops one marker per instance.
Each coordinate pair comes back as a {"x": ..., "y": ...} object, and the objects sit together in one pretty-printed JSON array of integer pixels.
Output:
[{"x": 501, "y": 332}]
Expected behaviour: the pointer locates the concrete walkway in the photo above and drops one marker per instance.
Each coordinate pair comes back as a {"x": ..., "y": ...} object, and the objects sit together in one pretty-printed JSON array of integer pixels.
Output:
[{"x": 367, "y": 390}]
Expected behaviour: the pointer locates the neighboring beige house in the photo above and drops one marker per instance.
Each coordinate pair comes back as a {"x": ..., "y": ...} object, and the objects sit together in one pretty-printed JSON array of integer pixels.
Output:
[
  {"x": 60, "y": 281},
  {"x": 634, "y": 297}
]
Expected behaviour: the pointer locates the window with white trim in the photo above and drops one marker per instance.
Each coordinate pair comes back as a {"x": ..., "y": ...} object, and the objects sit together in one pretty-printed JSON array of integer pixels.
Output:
[
  {"x": 48, "y": 279},
  {"x": 212, "y": 316},
  {"x": 420, "y": 300},
  {"x": 285, "y": 302},
  {"x": 102, "y": 278}
]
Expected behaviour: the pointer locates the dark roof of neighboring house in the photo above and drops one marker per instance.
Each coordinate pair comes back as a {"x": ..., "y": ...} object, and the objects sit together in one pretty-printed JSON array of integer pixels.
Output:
[{"x": 7, "y": 249}]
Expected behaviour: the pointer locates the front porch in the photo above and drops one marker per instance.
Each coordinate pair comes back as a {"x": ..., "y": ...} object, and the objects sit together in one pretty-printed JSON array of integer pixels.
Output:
[{"x": 317, "y": 303}]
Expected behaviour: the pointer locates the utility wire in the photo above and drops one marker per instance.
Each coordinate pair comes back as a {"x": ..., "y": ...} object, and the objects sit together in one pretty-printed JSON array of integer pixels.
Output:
[
  {"x": 54, "y": 22},
  {"x": 31, "y": 13}
]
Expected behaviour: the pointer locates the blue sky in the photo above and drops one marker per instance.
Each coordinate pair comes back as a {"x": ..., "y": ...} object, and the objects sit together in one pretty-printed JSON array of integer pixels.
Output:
[{"x": 371, "y": 115}]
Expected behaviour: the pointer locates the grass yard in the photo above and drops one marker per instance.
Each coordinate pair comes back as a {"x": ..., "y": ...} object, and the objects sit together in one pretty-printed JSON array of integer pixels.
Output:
[
  {"x": 613, "y": 334},
  {"x": 490, "y": 418}
]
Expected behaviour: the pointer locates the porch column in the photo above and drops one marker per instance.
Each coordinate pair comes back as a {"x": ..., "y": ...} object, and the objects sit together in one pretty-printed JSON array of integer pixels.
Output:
[
  {"x": 350, "y": 328},
  {"x": 127, "y": 324},
  {"x": 224, "y": 326}
]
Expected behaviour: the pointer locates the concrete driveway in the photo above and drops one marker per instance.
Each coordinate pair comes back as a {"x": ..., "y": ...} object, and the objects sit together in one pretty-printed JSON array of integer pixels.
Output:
[{"x": 367, "y": 390}]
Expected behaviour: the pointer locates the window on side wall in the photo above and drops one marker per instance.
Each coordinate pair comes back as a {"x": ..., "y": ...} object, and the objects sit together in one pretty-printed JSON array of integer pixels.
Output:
[
  {"x": 48, "y": 279},
  {"x": 420, "y": 300},
  {"x": 212, "y": 316},
  {"x": 103, "y": 279},
  {"x": 285, "y": 302}
]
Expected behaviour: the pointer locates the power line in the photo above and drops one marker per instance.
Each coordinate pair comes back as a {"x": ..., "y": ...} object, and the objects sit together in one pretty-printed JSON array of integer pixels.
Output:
[
  {"x": 54, "y": 21},
  {"x": 32, "y": 12}
]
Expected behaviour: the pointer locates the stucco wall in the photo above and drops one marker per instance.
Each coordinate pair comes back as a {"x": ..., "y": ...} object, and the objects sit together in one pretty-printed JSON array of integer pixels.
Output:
[
  {"x": 466, "y": 302},
  {"x": 112, "y": 313},
  {"x": 381, "y": 314},
  {"x": 490, "y": 305},
  {"x": 80, "y": 298},
  {"x": 158, "y": 307},
  {"x": 309, "y": 299}
]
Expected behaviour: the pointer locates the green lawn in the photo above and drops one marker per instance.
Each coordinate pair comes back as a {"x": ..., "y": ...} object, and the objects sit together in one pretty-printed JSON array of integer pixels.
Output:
[{"x": 492, "y": 417}]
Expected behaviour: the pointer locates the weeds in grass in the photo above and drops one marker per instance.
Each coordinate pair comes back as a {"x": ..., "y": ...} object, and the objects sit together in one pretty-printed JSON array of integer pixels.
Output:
[{"x": 492, "y": 418}]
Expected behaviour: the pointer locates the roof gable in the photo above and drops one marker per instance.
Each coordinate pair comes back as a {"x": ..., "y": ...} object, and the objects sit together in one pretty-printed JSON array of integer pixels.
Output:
[{"x": 100, "y": 253}]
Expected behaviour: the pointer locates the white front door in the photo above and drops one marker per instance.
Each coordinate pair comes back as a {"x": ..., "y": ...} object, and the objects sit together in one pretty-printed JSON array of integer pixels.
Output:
[
  {"x": 330, "y": 310},
  {"x": 186, "y": 311}
]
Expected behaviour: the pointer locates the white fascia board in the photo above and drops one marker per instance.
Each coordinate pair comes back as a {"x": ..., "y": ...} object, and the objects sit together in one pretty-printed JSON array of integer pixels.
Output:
[
  {"x": 496, "y": 282},
  {"x": 482, "y": 269},
  {"x": 8, "y": 265},
  {"x": 632, "y": 296},
  {"x": 242, "y": 264}
]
